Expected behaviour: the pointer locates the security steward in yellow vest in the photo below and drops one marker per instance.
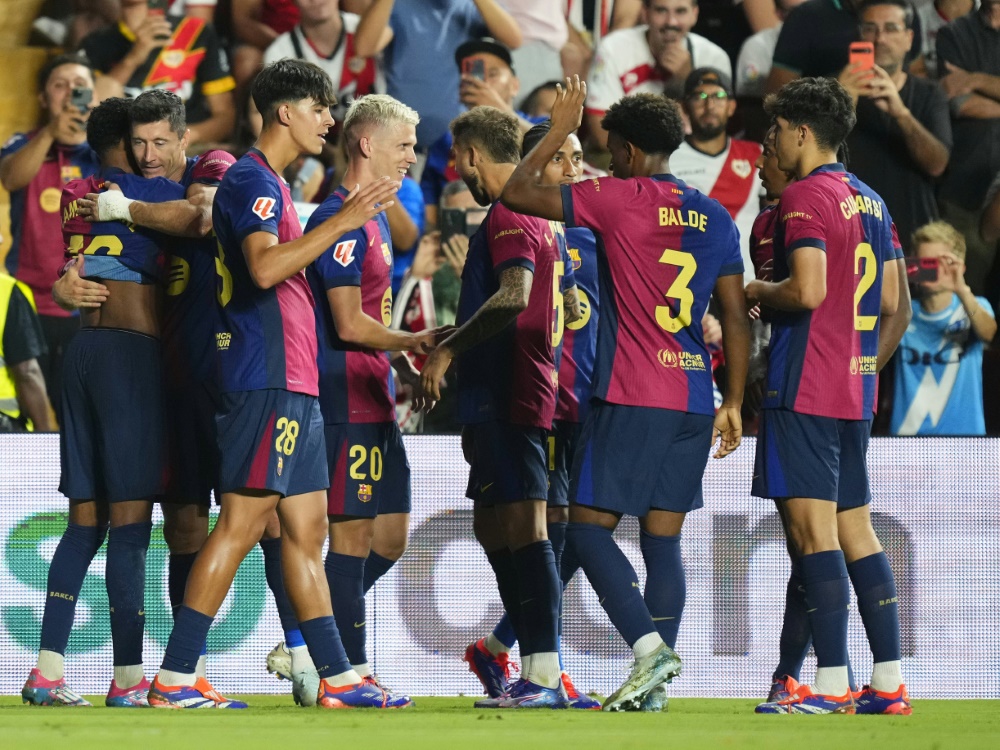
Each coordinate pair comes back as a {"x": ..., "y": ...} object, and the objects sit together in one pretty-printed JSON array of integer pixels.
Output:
[{"x": 24, "y": 403}]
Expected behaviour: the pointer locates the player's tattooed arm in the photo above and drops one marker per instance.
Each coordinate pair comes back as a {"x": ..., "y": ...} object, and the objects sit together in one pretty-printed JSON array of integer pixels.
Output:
[
  {"x": 497, "y": 313},
  {"x": 895, "y": 322},
  {"x": 571, "y": 306}
]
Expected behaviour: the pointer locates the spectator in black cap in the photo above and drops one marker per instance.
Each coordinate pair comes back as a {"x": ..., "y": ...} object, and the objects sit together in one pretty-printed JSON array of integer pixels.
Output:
[
  {"x": 487, "y": 79},
  {"x": 710, "y": 161}
]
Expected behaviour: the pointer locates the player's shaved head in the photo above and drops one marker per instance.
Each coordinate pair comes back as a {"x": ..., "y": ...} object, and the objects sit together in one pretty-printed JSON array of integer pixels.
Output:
[
  {"x": 288, "y": 81},
  {"x": 108, "y": 126},
  {"x": 821, "y": 104},
  {"x": 650, "y": 122},
  {"x": 490, "y": 130},
  {"x": 156, "y": 105}
]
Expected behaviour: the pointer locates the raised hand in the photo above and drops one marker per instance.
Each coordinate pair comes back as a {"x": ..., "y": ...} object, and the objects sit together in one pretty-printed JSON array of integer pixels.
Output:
[
  {"x": 567, "y": 112},
  {"x": 364, "y": 203}
]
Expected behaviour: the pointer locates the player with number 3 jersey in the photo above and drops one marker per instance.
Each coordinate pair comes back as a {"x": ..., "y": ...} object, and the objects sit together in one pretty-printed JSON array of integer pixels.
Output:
[{"x": 663, "y": 249}]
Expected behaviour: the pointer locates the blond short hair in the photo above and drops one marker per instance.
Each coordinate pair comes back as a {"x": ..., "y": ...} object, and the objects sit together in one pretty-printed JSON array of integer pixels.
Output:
[
  {"x": 375, "y": 111},
  {"x": 943, "y": 232}
]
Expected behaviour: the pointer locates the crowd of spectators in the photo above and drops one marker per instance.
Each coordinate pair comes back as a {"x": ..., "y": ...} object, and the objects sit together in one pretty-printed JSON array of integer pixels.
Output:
[{"x": 927, "y": 138}]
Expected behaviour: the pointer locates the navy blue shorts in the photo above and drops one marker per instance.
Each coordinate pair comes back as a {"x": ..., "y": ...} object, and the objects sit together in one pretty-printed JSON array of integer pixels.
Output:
[
  {"x": 562, "y": 442},
  {"x": 369, "y": 473},
  {"x": 271, "y": 440},
  {"x": 507, "y": 463},
  {"x": 801, "y": 455},
  {"x": 192, "y": 445},
  {"x": 634, "y": 459},
  {"x": 111, "y": 444}
]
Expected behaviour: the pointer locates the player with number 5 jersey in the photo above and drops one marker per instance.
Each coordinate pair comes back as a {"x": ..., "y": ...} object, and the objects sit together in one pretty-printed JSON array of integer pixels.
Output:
[{"x": 663, "y": 249}]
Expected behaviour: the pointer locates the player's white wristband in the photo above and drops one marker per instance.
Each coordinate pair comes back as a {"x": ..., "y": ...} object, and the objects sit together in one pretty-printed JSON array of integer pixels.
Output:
[{"x": 113, "y": 206}]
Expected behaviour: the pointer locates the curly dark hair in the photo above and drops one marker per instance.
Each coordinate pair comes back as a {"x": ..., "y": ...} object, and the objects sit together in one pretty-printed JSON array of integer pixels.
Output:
[
  {"x": 158, "y": 104},
  {"x": 290, "y": 81},
  {"x": 821, "y": 104},
  {"x": 533, "y": 136},
  {"x": 494, "y": 131},
  {"x": 649, "y": 122},
  {"x": 108, "y": 126}
]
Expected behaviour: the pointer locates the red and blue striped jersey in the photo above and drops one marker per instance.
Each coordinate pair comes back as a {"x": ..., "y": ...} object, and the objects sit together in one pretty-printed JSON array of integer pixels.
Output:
[
  {"x": 512, "y": 376},
  {"x": 823, "y": 361},
  {"x": 266, "y": 338},
  {"x": 136, "y": 248},
  {"x": 579, "y": 344},
  {"x": 661, "y": 247},
  {"x": 355, "y": 383},
  {"x": 189, "y": 310}
]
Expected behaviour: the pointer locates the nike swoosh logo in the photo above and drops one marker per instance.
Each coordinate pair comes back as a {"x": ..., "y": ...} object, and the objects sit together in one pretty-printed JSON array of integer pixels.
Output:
[
  {"x": 484, "y": 487},
  {"x": 766, "y": 241},
  {"x": 371, "y": 242},
  {"x": 359, "y": 624},
  {"x": 661, "y": 619}
]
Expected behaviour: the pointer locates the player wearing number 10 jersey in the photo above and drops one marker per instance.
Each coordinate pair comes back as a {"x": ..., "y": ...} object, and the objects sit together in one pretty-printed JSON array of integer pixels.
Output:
[
  {"x": 662, "y": 248},
  {"x": 835, "y": 273}
]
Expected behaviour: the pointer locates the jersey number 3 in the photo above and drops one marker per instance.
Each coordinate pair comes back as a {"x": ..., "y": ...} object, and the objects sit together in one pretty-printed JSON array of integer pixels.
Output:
[{"x": 679, "y": 291}]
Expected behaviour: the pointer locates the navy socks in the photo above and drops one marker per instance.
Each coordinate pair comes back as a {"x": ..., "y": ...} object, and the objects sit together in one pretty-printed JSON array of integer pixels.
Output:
[
  {"x": 666, "y": 588},
  {"x": 126, "y": 582},
  {"x": 345, "y": 575},
  {"x": 72, "y": 557}
]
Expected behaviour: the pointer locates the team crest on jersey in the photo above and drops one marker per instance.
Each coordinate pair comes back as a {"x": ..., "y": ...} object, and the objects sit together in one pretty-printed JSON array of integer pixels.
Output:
[
  {"x": 173, "y": 58},
  {"x": 280, "y": 466},
  {"x": 264, "y": 208},
  {"x": 742, "y": 168},
  {"x": 70, "y": 172},
  {"x": 343, "y": 252},
  {"x": 574, "y": 255},
  {"x": 387, "y": 253},
  {"x": 364, "y": 492}
]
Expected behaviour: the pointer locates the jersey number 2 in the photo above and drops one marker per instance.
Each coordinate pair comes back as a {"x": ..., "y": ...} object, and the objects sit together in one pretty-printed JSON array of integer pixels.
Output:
[
  {"x": 864, "y": 252},
  {"x": 679, "y": 290}
]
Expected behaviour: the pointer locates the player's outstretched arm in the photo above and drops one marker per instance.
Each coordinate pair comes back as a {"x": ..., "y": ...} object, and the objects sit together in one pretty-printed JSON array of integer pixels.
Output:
[
  {"x": 497, "y": 313},
  {"x": 804, "y": 289},
  {"x": 524, "y": 191},
  {"x": 894, "y": 322},
  {"x": 180, "y": 218},
  {"x": 736, "y": 346},
  {"x": 354, "y": 326},
  {"x": 270, "y": 263}
]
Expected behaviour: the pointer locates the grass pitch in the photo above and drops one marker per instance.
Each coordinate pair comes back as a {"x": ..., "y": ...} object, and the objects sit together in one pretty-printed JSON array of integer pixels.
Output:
[{"x": 273, "y": 722}]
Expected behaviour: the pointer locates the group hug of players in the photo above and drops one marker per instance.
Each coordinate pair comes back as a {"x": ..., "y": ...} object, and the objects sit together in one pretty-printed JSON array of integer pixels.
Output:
[{"x": 584, "y": 388}]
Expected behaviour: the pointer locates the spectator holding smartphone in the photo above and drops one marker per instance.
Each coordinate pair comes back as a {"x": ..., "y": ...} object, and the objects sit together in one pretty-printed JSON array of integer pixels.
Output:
[
  {"x": 939, "y": 363},
  {"x": 148, "y": 49},
  {"x": 34, "y": 167}
]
